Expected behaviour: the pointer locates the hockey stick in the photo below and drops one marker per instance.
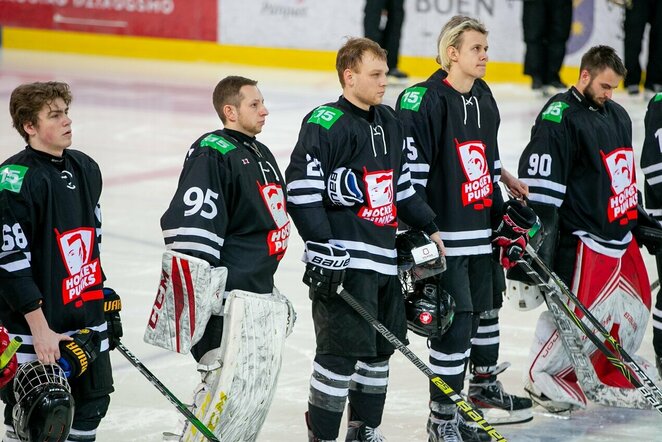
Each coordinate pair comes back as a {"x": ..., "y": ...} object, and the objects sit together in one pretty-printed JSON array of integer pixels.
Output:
[
  {"x": 618, "y": 357},
  {"x": 183, "y": 409},
  {"x": 463, "y": 405}
]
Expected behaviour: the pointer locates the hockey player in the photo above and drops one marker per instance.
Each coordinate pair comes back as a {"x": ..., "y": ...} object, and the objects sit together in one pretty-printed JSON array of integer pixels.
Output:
[
  {"x": 651, "y": 165},
  {"x": 579, "y": 165},
  {"x": 451, "y": 122},
  {"x": 49, "y": 266},
  {"x": 229, "y": 212},
  {"x": 347, "y": 185}
]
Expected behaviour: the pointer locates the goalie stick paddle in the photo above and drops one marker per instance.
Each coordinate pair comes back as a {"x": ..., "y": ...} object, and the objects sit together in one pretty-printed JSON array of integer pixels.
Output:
[
  {"x": 183, "y": 409},
  {"x": 618, "y": 357},
  {"x": 463, "y": 405}
]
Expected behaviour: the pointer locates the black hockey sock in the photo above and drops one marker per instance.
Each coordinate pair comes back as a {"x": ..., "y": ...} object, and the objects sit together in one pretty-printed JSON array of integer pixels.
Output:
[{"x": 324, "y": 424}]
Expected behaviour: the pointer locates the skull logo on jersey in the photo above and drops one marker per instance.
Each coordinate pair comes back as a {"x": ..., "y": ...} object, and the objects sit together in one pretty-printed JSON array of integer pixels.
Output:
[
  {"x": 379, "y": 196},
  {"x": 274, "y": 199},
  {"x": 478, "y": 186},
  {"x": 620, "y": 167},
  {"x": 76, "y": 248}
]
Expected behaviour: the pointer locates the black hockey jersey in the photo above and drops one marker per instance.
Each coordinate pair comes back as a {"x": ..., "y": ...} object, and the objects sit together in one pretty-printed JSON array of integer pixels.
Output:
[
  {"x": 229, "y": 209},
  {"x": 454, "y": 158},
  {"x": 370, "y": 144},
  {"x": 580, "y": 160},
  {"x": 51, "y": 225},
  {"x": 651, "y": 157}
]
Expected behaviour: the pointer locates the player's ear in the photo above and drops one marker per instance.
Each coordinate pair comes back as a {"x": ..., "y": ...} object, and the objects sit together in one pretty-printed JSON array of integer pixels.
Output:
[{"x": 230, "y": 112}]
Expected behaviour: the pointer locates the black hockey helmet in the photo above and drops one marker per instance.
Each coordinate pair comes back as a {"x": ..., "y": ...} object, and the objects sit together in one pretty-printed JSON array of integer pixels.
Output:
[
  {"x": 429, "y": 311},
  {"x": 418, "y": 255},
  {"x": 44, "y": 407}
]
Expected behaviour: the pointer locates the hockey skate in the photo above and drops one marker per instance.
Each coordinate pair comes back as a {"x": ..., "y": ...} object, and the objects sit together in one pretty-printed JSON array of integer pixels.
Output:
[
  {"x": 358, "y": 431},
  {"x": 452, "y": 426},
  {"x": 552, "y": 406},
  {"x": 497, "y": 406}
]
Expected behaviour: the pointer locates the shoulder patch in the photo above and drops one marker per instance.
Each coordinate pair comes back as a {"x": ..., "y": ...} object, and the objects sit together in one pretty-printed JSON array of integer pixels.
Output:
[
  {"x": 219, "y": 143},
  {"x": 554, "y": 111},
  {"x": 412, "y": 98},
  {"x": 11, "y": 177},
  {"x": 657, "y": 97},
  {"x": 325, "y": 116}
]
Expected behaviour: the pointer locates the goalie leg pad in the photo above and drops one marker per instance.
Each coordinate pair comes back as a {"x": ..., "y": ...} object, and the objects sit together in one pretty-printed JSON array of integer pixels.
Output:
[
  {"x": 190, "y": 291},
  {"x": 239, "y": 378}
]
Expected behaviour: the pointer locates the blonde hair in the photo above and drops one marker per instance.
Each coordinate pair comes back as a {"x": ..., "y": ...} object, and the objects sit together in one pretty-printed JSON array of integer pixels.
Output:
[{"x": 451, "y": 36}]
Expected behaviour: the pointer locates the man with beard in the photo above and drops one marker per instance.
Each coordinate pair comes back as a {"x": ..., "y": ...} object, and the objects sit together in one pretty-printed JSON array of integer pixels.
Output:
[{"x": 579, "y": 166}]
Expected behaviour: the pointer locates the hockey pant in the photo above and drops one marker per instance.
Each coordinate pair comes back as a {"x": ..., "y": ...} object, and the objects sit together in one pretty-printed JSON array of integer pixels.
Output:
[
  {"x": 617, "y": 292},
  {"x": 337, "y": 378}
]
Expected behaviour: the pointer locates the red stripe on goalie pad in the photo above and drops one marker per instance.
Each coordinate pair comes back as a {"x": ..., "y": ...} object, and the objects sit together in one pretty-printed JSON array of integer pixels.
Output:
[
  {"x": 178, "y": 300},
  {"x": 616, "y": 291}
]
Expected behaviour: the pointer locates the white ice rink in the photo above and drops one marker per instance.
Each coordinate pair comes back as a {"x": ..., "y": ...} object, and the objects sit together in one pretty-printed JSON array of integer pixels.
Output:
[{"x": 137, "y": 119}]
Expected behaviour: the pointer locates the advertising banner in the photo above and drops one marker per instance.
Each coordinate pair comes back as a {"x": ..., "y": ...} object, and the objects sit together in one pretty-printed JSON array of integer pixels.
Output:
[{"x": 181, "y": 19}]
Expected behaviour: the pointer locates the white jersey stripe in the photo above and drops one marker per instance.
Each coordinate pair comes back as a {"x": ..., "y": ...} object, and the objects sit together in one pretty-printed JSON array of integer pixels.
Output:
[
  {"x": 363, "y": 247},
  {"x": 467, "y": 234},
  {"x": 474, "y": 250},
  {"x": 419, "y": 167},
  {"x": 304, "y": 199},
  {"x": 305, "y": 184},
  {"x": 547, "y": 184},
  {"x": 545, "y": 199},
  {"x": 193, "y": 231},
  {"x": 652, "y": 168},
  {"x": 184, "y": 246},
  {"x": 368, "y": 264}
]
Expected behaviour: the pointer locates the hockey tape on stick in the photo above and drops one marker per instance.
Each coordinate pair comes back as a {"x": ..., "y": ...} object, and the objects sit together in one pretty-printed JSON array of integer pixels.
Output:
[
  {"x": 10, "y": 351},
  {"x": 468, "y": 409},
  {"x": 618, "y": 357},
  {"x": 183, "y": 409}
]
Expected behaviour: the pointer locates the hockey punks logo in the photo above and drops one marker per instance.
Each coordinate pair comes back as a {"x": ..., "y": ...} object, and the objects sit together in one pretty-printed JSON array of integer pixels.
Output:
[
  {"x": 623, "y": 202},
  {"x": 478, "y": 187},
  {"x": 274, "y": 199},
  {"x": 379, "y": 188},
  {"x": 76, "y": 248}
]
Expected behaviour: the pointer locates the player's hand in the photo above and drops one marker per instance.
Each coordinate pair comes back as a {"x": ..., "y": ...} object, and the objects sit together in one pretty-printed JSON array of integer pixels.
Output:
[
  {"x": 436, "y": 237},
  {"x": 325, "y": 268},
  {"x": 512, "y": 235}
]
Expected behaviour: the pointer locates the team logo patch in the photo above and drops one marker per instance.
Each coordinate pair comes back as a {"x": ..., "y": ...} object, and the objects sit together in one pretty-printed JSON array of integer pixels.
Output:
[
  {"x": 620, "y": 167},
  {"x": 554, "y": 111},
  {"x": 478, "y": 187},
  {"x": 217, "y": 143},
  {"x": 274, "y": 198},
  {"x": 412, "y": 98},
  {"x": 11, "y": 177},
  {"x": 657, "y": 97},
  {"x": 379, "y": 189},
  {"x": 325, "y": 116},
  {"x": 76, "y": 248}
]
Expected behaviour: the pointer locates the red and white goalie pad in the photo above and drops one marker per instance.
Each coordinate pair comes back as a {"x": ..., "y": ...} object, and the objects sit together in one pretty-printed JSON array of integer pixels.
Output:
[
  {"x": 617, "y": 292},
  {"x": 190, "y": 291}
]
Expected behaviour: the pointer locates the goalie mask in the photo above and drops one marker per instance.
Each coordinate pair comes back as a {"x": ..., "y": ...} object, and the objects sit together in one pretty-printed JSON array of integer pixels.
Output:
[
  {"x": 418, "y": 255},
  {"x": 429, "y": 313},
  {"x": 44, "y": 407}
]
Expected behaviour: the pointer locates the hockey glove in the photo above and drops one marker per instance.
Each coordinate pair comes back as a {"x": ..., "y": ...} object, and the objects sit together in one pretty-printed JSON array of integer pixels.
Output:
[
  {"x": 325, "y": 268},
  {"x": 77, "y": 355},
  {"x": 343, "y": 189},
  {"x": 648, "y": 232},
  {"x": 8, "y": 370},
  {"x": 512, "y": 235},
  {"x": 112, "y": 304}
]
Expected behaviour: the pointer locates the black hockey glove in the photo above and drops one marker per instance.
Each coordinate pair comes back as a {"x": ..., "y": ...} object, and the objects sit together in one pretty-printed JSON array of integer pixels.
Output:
[
  {"x": 77, "y": 355},
  {"x": 112, "y": 304},
  {"x": 325, "y": 268},
  {"x": 343, "y": 188},
  {"x": 512, "y": 235}
]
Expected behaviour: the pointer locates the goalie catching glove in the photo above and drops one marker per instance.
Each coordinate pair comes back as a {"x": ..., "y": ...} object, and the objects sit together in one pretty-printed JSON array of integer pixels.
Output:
[
  {"x": 325, "y": 268},
  {"x": 77, "y": 355},
  {"x": 512, "y": 235}
]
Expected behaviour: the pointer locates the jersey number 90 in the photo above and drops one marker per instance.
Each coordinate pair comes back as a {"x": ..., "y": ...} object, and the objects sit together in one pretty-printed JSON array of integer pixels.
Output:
[
  {"x": 540, "y": 164},
  {"x": 201, "y": 201}
]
